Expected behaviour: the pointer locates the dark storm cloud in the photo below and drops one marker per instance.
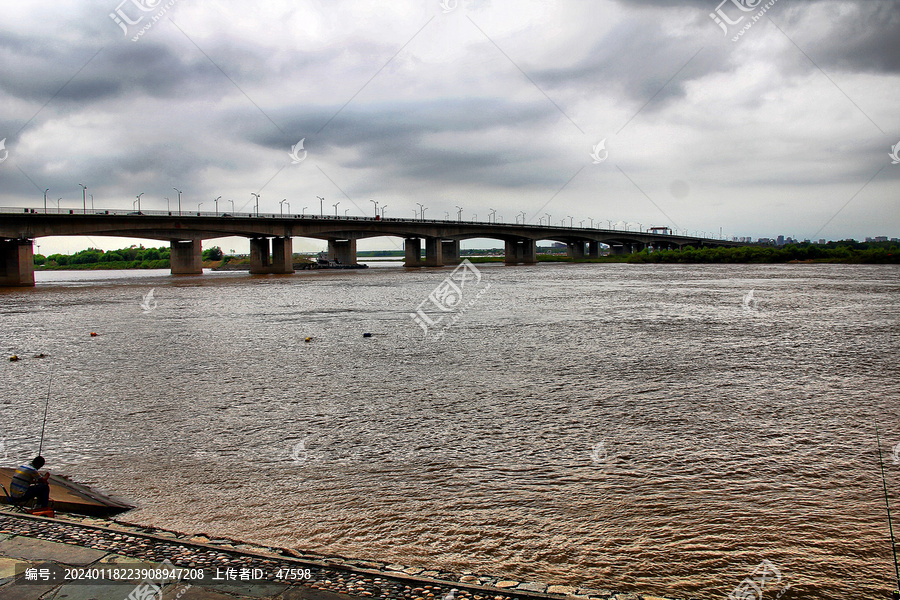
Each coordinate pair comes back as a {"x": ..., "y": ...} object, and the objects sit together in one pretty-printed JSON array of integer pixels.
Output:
[{"x": 849, "y": 35}]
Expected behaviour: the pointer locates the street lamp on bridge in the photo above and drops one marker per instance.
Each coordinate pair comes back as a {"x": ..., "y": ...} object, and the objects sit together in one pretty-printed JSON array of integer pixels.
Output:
[
  {"x": 83, "y": 198},
  {"x": 383, "y": 206},
  {"x": 523, "y": 217},
  {"x": 459, "y": 213},
  {"x": 179, "y": 200},
  {"x": 422, "y": 209},
  {"x": 492, "y": 215},
  {"x": 376, "y": 206},
  {"x": 45, "y": 200},
  {"x": 168, "y": 210},
  {"x": 303, "y": 212},
  {"x": 281, "y": 207},
  {"x": 335, "y": 205},
  {"x": 57, "y": 205},
  {"x": 549, "y": 221},
  {"x": 571, "y": 221},
  {"x": 139, "y": 202},
  {"x": 321, "y": 206},
  {"x": 217, "y": 205},
  {"x": 257, "y": 202},
  {"x": 199, "y": 204}
]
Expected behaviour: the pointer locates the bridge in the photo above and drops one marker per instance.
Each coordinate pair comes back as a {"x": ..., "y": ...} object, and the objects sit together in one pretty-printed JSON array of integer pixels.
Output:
[{"x": 271, "y": 237}]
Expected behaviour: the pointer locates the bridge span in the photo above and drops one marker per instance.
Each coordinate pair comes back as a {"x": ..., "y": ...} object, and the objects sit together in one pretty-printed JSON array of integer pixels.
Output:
[{"x": 271, "y": 237}]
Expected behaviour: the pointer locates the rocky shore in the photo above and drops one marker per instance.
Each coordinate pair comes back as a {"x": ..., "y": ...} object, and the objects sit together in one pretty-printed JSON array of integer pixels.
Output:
[{"x": 363, "y": 579}]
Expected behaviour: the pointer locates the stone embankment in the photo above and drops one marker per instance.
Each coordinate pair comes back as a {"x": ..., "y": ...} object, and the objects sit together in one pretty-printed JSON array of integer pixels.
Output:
[{"x": 88, "y": 542}]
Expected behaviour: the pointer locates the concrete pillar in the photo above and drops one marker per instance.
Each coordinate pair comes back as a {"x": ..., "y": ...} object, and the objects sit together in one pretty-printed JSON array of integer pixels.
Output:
[
  {"x": 342, "y": 251},
  {"x": 514, "y": 252},
  {"x": 282, "y": 255},
  {"x": 413, "y": 252},
  {"x": 529, "y": 252},
  {"x": 260, "y": 261},
  {"x": 16, "y": 263},
  {"x": 594, "y": 250},
  {"x": 450, "y": 252},
  {"x": 275, "y": 256},
  {"x": 186, "y": 257},
  {"x": 433, "y": 252},
  {"x": 576, "y": 250},
  {"x": 617, "y": 249}
]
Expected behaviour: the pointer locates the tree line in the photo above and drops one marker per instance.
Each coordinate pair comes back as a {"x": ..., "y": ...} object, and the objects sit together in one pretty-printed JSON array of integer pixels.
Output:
[{"x": 133, "y": 257}]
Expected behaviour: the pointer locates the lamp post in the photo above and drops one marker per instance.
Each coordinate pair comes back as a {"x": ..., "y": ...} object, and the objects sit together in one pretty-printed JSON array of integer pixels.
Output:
[
  {"x": 57, "y": 205},
  {"x": 609, "y": 223},
  {"x": 571, "y": 221},
  {"x": 217, "y": 205},
  {"x": 459, "y": 213},
  {"x": 640, "y": 228},
  {"x": 199, "y": 204},
  {"x": 383, "y": 206},
  {"x": 179, "y": 200},
  {"x": 346, "y": 211},
  {"x": 257, "y": 202},
  {"x": 592, "y": 222},
  {"x": 45, "y": 200},
  {"x": 139, "y": 202},
  {"x": 232, "y": 207},
  {"x": 581, "y": 224},
  {"x": 523, "y": 217},
  {"x": 421, "y": 211},
  {"x": 446, "y": 215},
  {"x": 289, "y": 206},
  {"x": 303, "y": 212},
  {"x": 376, "y": 206},
  {"x": 83, "y": 198},
  {"x": 281, "y": 207},
  {"x": 492, "y": 215},
  {"x": 549, "y": 220},
  {"x": 335, "y": 205},
  {"x": 168, "y": 210},
  {"x": 92, "y": 202},
  {"x": 321, "y": 206}
]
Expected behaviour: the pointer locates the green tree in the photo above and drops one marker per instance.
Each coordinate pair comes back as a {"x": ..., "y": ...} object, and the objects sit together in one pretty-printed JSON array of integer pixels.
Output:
[{"x": 214, "y": 253}]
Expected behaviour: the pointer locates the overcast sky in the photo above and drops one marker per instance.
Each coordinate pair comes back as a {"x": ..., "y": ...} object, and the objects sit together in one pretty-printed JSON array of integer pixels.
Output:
[{"x": 785, "y": 128}]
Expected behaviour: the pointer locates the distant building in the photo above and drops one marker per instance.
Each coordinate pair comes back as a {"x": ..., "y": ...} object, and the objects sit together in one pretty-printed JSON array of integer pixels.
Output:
[
  {"x": 822, "y": 241},
  {"x": 558, "y": 245},
  {"x": 881, "y": 238},
  {"x": 780, "y": 240}
]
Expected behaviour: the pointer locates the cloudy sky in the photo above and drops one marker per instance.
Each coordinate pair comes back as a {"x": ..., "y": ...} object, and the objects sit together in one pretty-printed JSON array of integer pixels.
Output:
[{"x": 779, "y": 125}]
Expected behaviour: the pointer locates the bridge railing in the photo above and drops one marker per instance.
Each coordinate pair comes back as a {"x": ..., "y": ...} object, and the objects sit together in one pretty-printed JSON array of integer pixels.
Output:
[{"x": 311, "y": 217}]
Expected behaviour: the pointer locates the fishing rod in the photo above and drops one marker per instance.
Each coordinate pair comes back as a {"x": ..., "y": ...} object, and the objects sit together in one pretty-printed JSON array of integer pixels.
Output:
[
  {"x": 896, "y": 593},
  {"x": 46, "y": 406}
]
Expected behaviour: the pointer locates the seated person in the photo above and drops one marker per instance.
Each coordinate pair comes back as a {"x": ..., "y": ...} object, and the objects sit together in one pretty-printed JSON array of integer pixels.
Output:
[{"x": 27, "y": 483}]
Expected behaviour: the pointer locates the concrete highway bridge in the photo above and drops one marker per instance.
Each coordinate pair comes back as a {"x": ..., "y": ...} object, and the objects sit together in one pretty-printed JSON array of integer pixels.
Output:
[{"x": 271, "y": 245}]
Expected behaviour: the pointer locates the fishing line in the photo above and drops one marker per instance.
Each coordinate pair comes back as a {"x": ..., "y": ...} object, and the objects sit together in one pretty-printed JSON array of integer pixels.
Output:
[
  {"x": 887, "y": 504},
  {"x": 46, "y": 406}
]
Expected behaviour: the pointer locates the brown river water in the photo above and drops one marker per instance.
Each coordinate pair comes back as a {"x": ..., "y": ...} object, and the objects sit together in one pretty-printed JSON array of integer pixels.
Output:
[{"x": 642, "y": 428}]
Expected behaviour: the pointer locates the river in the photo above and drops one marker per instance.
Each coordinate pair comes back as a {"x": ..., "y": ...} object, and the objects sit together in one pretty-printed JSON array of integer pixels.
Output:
[{"x": 647, "y": 428}]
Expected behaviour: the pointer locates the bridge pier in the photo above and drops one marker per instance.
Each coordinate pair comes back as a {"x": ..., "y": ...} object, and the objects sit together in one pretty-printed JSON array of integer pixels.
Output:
[
  {"x": 450, "y": 252},
  {"x": 413, "y": 247},
  {"x": 617, "y": 249},
  {"x": 342, "y": 251},
  {"x": 529, "y": 252},
  {"x": 185, "y": 257},
  {"x": 279, "y": 261},
  {"x": 522, "y": 251},
  {"x": 593, "y": 249},
  {"x": 576, "y": 250},
  {"x": 434, "y": 252},
  {"x": 16, "y": 263}
]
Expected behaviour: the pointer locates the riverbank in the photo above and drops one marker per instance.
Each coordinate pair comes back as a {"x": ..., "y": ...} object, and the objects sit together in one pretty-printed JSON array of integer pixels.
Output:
[{"x": 96, "y": 546}]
